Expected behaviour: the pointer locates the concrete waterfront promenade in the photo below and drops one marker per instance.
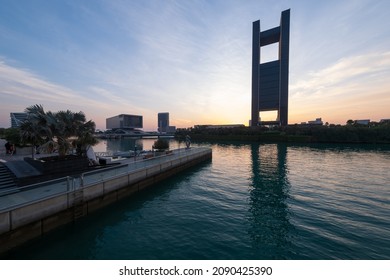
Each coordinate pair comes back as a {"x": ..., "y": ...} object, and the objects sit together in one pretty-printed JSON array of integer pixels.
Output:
[{"x": 40, "y": 208}]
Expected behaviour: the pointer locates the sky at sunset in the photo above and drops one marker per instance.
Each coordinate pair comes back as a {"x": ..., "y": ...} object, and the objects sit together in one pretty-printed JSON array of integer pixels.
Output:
[{"x": 191, "y": 58}]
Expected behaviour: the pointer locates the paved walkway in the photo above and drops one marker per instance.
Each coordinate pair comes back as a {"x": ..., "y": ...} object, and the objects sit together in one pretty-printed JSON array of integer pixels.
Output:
[{"x": 20, "y": 153}]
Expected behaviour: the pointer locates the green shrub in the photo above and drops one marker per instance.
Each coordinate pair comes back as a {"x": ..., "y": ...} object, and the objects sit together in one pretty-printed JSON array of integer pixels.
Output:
[{"x": 161, "y": 144}]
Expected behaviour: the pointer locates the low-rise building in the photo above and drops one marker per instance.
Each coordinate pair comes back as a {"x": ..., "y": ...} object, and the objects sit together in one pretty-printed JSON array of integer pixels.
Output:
[
  {"x": 318, "y": 121},
  {"x": 17, "y": 119},
  {"x": 362, "y": 122},
  {"x": 125, "y": 122}
]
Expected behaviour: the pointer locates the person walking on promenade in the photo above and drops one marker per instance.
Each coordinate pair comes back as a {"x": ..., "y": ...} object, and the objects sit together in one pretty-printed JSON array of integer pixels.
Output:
[
  {"x": 12, "y": 149},
  {"x": 7, "y": 147},
  {"x": 188, "y": 141}
]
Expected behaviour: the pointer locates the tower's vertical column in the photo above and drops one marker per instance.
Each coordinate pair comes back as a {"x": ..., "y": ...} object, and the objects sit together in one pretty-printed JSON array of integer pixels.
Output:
[
  {"x": 255, "y": 72},
  {"x": 284, "y": 43}
]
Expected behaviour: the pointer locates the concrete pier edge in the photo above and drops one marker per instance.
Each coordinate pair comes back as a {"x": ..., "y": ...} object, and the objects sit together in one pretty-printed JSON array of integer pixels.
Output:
[{"x": 29, "y": 221}]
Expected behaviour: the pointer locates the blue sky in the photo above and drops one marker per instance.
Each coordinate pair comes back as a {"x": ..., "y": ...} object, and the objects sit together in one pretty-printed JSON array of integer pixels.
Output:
[{"x": 191, "y": 58}]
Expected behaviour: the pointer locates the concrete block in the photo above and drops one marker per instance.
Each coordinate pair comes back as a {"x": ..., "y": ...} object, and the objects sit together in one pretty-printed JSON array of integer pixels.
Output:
[
  {"x": 127, "y": 191},
  {"x": 4, "y": 222},
  {"x": 165, "y": 175},
  {"x": 37, "y": 211},
  {"x": 166, "y": 165},
  {"x": 153, "y": 170},
  {"x": 93, "y": 191},
  {"x": 193, "y": 157},
  {"x": 175, "y": 162},
  {"x": 57, "y": 220},
  {"x": 183, "y": 160},
  {"x": 137, "y": 176},
  {"x": 100, "y": 202},
  {"x": 116, "y": 183},
  {"x": 19, "y": 236},
  {"x": 145, "y": 183}
]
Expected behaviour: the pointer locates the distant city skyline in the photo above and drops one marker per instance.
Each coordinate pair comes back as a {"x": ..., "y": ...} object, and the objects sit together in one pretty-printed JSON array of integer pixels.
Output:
[{"x": 191, "y": 58}]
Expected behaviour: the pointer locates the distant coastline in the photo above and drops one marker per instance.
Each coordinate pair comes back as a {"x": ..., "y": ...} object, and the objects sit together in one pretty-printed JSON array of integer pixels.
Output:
[{"x": 358, "y": 134}]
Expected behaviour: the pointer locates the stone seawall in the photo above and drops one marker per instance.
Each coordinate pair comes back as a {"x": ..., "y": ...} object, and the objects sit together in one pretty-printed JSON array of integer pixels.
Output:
[{"x": 28, "y": 221}]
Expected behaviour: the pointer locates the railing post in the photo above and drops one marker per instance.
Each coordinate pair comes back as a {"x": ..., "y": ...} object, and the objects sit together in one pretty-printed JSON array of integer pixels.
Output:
[
  {"x": 82, "y": 181},
  {"x": 67, "y": 183}
]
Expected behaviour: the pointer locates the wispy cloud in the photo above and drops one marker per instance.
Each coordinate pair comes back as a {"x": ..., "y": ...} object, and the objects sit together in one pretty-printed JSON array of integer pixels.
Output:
[
  {"x": 28, "y": 88},
  {"x": 346, "y": 76},
  {"x": 24, "y": 84},
  {"x": 353, "y": 87}
]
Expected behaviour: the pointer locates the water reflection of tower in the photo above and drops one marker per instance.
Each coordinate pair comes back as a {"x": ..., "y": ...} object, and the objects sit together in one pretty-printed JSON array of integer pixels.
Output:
[{"x": 270, "y": 228}]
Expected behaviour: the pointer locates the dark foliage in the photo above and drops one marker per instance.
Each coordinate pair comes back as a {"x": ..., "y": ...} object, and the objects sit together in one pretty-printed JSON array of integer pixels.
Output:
[{"x": 350, "y": 133}]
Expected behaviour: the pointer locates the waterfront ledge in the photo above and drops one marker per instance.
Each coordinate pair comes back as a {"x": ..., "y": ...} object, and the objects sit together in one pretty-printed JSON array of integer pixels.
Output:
[{"x": 44, "y": 207}]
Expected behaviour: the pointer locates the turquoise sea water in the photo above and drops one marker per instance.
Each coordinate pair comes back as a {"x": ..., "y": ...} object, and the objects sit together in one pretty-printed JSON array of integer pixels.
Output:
[{"x": 252, "y": 201}]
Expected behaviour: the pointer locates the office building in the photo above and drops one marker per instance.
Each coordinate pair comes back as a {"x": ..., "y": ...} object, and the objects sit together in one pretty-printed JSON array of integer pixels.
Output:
[
  {"x": 270, "y": 80},
  {"x": 163, "y": 124},
  {"x": 17, "y": 119},
  {"x": 125, "y": 122}
]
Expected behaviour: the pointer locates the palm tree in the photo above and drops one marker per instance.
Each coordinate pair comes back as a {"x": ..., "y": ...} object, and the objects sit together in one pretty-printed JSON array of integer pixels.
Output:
[
  {"x": 85, "y": 137},
  {"x": 38, "y": 117},
  {"x": 66, "y": 125},
  {"x": 34, "y": 129},
  {"x": 58, "y": 128},
  {"x": 30, "y": 134}
]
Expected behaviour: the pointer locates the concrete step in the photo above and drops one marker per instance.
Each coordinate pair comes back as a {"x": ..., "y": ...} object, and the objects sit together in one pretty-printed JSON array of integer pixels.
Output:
[
  {"x": 7, "y": 181},
  {"x": 5, "y": 178}
]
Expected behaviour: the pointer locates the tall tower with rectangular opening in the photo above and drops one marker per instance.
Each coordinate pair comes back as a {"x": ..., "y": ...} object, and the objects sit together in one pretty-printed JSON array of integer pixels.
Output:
[{"x": 270, "y": 80}]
